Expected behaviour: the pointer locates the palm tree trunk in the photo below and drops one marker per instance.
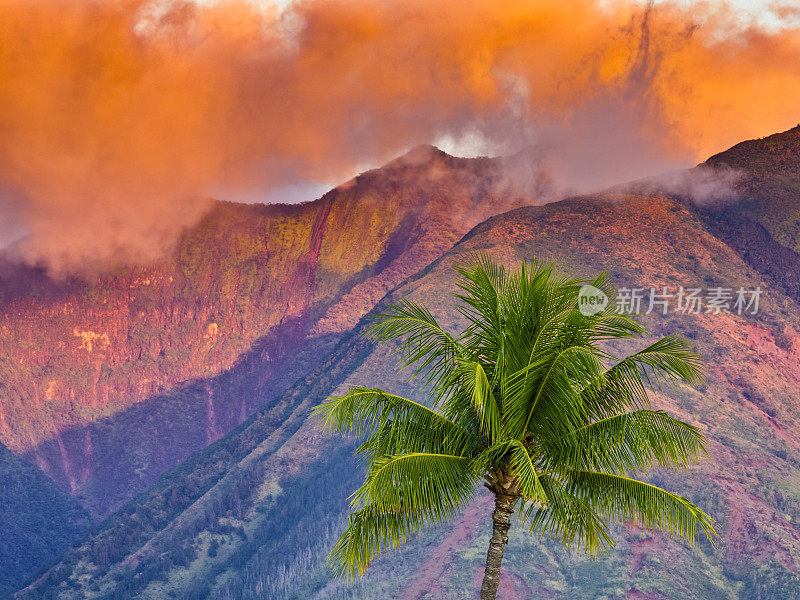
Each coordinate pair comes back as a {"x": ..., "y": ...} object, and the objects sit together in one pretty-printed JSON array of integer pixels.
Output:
[{"x": 501, "y": 520}]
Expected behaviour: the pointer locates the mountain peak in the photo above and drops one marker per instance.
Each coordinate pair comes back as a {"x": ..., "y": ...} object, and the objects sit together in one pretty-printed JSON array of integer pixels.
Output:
[{"x": 422, "y": 154}]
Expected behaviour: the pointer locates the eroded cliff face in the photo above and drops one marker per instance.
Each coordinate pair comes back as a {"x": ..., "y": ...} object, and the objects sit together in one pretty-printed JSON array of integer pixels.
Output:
[{"x": 141, "y": 366}]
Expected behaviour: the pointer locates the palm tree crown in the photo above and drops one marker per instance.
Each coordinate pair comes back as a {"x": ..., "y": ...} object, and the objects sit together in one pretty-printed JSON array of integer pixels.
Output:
[{"x": 527, "y": 402}]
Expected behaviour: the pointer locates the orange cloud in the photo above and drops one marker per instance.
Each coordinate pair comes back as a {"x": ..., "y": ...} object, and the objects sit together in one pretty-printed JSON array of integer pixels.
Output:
[{"x": 119, "y": 117}]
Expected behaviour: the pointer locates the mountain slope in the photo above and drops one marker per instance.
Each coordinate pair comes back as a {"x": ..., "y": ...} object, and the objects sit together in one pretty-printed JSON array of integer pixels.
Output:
[
  {"x": 254, "y": 514},
  {"x": 771, "y": 185},
  {"x": 38, "y": 521},
  {"x": 106, "y": 384},
  {"x": 763, "y": 223}
]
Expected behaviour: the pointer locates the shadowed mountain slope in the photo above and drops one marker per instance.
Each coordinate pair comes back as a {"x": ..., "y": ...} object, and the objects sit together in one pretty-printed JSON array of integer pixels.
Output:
[
  {"x": 38, "y": 521},
  {"x": 253, "y": 515}
]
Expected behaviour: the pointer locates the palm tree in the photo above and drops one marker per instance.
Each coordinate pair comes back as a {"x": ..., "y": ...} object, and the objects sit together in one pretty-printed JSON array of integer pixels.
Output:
[{"x": 528, "y": 401}]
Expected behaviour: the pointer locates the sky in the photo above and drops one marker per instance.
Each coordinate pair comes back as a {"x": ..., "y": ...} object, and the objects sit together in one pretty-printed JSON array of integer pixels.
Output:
[
  {"x": 761, "y": 10},
  {"x": 764, "y": 13}
]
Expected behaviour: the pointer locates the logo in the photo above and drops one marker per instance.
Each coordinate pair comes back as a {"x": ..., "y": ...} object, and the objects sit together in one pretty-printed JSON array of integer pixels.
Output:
[{"x": 591, "y": 300}]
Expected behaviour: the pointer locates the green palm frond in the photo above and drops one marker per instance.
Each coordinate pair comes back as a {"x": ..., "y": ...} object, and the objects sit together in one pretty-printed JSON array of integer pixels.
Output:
[
  {"x": 431, "y": 486},
  {"x": 525, "y": 474},
  {"x": 625, "y": 500},
  {"x": 632, "y": 441},
  {"x": 541, "y": 306},
  {"x": 401, "y": 495},
  {"x": 542, "y": 397},
  {"x": 423, "y": 342},
  {"x": 475, "y": 382},
  {"x": 670, "y": 360},
  {"x": 370, "y": 532},
  {"x": 611, "y": 326},
  {"x": 390, "y": 423},
  {"x": 481, "y": 283},
  {"x": 567, "y": 518},
  {"x": 362, "y": 408},
  {"x": 622, "y": 387}
]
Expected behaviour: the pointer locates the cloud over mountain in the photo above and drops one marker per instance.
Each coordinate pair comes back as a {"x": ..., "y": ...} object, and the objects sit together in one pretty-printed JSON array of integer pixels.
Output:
[{"x": 118, "y": 118}]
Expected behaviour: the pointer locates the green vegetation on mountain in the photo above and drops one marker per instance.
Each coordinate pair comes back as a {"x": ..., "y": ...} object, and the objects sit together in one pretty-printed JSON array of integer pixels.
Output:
[{"x": 38, "y": 521}]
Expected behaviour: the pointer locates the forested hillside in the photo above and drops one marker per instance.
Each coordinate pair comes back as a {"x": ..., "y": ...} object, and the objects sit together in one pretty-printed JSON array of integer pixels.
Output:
[{"x": 38, "y": 521}]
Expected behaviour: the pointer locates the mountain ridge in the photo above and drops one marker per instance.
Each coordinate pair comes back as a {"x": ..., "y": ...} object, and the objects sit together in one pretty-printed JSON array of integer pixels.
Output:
[{"x": 228, "y": 533}]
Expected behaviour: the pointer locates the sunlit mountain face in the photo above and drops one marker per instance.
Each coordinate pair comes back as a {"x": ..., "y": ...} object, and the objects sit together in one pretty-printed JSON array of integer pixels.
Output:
[
  {"x": 171, "y": 306},
  {"x": 109, "y": 381}
]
